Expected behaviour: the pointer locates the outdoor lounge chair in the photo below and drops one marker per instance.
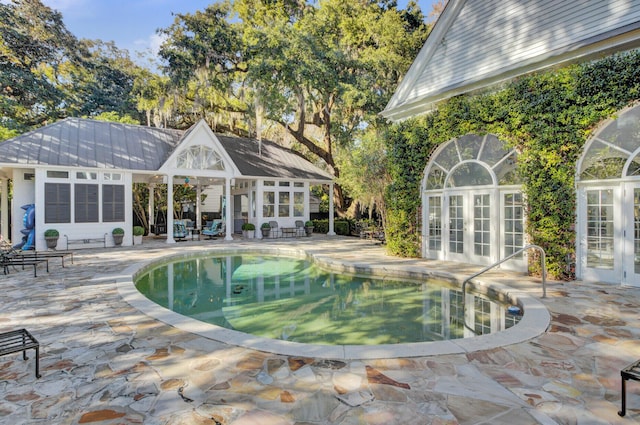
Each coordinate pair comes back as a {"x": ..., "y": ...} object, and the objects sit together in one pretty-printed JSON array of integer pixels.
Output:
[
  {"x": 11, "y": 252},
  {"x": 8, "y": 261},
  {"x": 179, "y": 230},
  {"x": 216, "y": 228}
]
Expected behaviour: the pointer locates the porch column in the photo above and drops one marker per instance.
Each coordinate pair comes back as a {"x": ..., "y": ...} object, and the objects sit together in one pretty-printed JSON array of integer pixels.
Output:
[
  {"x": 4, "y": 209},
  {"x": 151, "y": 206},
  {"x": 331, "y": 208},
  {"x": 227, "y": 210},
  {"x": 170, "y": 209},
  {"x": 198, "y": 218}
]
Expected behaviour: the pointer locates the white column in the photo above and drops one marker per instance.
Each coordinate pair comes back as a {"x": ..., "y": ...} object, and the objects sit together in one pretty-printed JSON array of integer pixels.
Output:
[
  {"x": 198, "y": 217},
  {"x": 228, "y": 218},
  {"x": 151, "y": 206},
  {"x": 4, "y": 207},
  {"x": 331, "y": 230},
  {"x": 170, "y": 209}
]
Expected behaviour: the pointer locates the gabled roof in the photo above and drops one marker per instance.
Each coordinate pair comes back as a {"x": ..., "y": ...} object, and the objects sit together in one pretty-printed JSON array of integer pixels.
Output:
[
  {"x": 84, "y": 143},
  {"x": 479, "y": 43}
]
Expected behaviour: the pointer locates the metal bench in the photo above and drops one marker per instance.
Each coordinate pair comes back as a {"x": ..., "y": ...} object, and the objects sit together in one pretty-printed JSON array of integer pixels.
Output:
[
  {"x": 20, "y": 340},
  {"x": 630, "y": 372},
  {"x": 87, "y": 242}
]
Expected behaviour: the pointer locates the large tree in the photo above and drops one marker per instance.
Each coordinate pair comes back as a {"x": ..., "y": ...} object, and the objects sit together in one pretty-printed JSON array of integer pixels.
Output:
[{"x": 320, "y": 72}]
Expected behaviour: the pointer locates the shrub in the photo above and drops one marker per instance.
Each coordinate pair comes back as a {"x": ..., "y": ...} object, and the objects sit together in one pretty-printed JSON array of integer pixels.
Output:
[
  {"x": 118, "y": 231},
  {"x": 138, "y": 230},
  {"x": 51, "y": 233},
  {"x": 248, "y": 226},
  {"x": 265, "y": 226}
]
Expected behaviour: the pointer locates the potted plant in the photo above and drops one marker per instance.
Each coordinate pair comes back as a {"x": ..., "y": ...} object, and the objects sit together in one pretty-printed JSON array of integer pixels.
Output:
[
  {"x": 308, "y": 227},
  {"x": 138, "y": 232},
  {"x": 118, "y": 234},
  {"x": 51, "y": 237},
  {"x": 265, "y": 228},
  {"x": 248, "y": 230}
]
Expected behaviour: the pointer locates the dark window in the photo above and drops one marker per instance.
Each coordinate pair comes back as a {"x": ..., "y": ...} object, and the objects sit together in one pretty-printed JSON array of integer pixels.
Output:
[
  {"x": 57, "y": 203},
  {"x": 86, "y": 203},
  {"x": 112, "y": 202}
]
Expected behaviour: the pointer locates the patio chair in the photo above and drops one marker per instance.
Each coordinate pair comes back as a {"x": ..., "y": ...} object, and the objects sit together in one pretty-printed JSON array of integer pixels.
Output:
[
  {"x": 300, "y": 228},
  {"x": 275, "y": 231},
  {"x": 180, "y": 230},
  {"x": 216, "y": 228}
]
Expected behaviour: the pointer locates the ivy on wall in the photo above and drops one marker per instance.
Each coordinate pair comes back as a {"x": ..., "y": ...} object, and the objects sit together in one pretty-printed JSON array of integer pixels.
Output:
[{"x": 547, "y": 116}]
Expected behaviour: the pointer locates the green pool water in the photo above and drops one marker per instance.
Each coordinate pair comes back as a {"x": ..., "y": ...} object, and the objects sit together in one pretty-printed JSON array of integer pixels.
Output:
[{"x": 295, "y": 300}]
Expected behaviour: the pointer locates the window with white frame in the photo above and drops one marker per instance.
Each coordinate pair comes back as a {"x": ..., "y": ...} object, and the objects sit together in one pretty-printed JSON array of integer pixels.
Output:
[
  {"x": 268, "y": 204},
  {"x": 86, "y": 200},
  {"x": 284, "y": 203},
  {"x": 298, "y": 204},
  {"x": 57, "y": 203},
  {"x": 112, "y": 203}
]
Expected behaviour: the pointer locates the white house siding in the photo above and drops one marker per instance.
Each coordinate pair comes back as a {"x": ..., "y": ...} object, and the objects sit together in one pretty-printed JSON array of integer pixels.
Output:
[
  {"x": 493, "y": 38},
  {"x": 23, "y": 194}
]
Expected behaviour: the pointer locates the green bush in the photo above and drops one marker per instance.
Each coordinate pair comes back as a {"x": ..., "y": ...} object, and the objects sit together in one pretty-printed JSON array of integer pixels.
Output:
[
  {"x": 265, "y": 226},
  {"x": 51, "y": 233},
  {"x": 548, "y": 116},
  {"x": 118, "y": 231},
  {"x": 248, "y": 226},
  {"x": 341, "y": 227},
  {"x": 138, "y": 231}
]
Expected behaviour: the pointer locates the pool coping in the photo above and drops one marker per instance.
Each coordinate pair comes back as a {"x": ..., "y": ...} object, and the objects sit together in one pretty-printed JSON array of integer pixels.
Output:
[{"x": 535, "y": 320}]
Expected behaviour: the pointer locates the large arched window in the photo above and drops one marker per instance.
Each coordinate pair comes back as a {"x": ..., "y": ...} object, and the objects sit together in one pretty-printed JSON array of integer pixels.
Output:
[
  {"x": 473, "y": 210},
  {"x": 608, "y": 182}
]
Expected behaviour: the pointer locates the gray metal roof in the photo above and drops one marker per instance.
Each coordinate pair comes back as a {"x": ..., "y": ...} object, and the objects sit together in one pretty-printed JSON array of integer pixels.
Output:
[
  {"x": 84, "y": 143},
  {"x": 267, "y": 159}
]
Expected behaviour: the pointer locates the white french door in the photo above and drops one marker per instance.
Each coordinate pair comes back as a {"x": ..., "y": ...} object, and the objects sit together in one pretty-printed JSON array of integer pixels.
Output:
[
  {"x": 631, "y": 235},
  {"x": 469, "y": 235},
  {"x": 602, "y": 231}
]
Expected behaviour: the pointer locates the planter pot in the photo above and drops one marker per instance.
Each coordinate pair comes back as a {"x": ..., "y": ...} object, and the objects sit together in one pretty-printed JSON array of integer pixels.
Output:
[
  {"x": 308, "y": 230},
  {"x": 251, "y": 234},
  {"x": 137, "y": 240},
  {"x": 117, "y": 239},
  {"x": 265, "y": 232},
  {"x": 52, "y": 241}
]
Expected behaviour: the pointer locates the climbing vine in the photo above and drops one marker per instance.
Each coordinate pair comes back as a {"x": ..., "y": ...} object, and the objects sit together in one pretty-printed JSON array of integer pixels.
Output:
[{"x": 547, "y": 116}]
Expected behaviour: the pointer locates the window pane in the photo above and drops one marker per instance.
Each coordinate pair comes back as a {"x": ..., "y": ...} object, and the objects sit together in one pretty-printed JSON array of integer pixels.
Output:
[
  {"x": 268, "y": 204},
  {"x": 112, "y": 203},
  {"x": 86, "y": 203},
  {"x": 284, "y": 202},
  {"x": 298, "y": 204},
  {"x": 57, "y": 203}
]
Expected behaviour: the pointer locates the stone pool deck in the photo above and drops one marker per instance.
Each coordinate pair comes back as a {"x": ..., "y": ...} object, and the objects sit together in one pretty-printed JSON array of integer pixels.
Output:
[{"x": 104, "y": 362}]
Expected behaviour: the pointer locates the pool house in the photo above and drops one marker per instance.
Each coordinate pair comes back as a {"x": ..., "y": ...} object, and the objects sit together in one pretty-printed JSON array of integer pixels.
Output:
[
  {"x": 473, "y": 208},
  {"x": 78, "y": 174}
]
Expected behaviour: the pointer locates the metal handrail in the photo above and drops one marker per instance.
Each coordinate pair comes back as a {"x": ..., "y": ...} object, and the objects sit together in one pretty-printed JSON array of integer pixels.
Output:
[{"x": 544, "y": 276}]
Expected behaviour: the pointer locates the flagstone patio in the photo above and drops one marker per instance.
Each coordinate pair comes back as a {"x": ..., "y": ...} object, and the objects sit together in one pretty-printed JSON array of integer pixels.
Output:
[{"x": 104, "y": 362}]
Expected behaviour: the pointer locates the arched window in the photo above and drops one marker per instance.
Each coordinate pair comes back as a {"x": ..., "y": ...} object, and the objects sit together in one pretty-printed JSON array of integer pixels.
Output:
[
  {"x": 200, "y": 157},
  {"x": 471, "y": 160},
  {"x": 613, "y": 152}
]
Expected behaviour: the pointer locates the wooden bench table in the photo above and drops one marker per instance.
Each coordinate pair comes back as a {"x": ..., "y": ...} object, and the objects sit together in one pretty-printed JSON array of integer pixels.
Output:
[{"x": 20, "y": 340}]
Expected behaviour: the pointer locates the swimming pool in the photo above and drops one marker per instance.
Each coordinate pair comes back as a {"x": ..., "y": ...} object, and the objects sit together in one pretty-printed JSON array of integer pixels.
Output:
[
  {"x": 534, "y": 322},
  {"x": 294, "y": 299}
]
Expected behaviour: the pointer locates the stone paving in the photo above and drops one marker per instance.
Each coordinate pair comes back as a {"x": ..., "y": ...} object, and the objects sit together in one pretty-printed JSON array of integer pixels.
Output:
[{"x": 104, "y": 362}]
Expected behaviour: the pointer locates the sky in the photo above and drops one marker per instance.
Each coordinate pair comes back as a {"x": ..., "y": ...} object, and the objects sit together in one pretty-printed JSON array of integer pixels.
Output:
[{"x": 132, "y": 24}]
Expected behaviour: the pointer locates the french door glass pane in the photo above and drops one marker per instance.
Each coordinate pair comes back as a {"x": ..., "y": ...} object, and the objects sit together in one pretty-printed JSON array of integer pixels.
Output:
[
  {"x": 600, "y": 239},
  {"x": 482, "y": 222},
  {"x": 435, "y": 223},
  {"x": 513, "y": 224},
  {"x": 456, "y": 224}
]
